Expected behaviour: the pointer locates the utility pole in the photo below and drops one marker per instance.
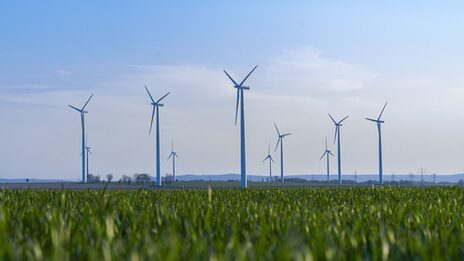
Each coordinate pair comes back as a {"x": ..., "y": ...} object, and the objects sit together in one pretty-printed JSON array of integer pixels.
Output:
[
  {"x": 433, "y": 178},
  {"x": 422, "y": 171},
  {"x": 355, "y": 176}
]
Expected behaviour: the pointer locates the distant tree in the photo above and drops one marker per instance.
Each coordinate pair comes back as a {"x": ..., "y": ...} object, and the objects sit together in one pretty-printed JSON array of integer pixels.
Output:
[
  {"x": 93, "y": 178},
  {"x": 109, "y": 178},
  {"x": 125, "y": 179},
  {"x": 141, "y": 178}
]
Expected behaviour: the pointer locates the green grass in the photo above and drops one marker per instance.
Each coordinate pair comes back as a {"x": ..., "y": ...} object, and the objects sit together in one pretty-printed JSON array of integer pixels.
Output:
[{"x": 231, "y": 224}]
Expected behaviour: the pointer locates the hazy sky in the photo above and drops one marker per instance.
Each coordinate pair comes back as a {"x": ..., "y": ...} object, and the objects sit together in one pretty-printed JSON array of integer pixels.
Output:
[{"x": 313, "y": 58}]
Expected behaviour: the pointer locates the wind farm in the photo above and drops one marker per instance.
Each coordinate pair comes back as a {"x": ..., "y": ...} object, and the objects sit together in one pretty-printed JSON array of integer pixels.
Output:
[{"x": 359, "y": 106}]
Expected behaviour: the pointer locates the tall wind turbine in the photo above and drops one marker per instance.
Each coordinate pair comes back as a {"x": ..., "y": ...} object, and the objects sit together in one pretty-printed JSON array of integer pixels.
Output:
[
  {"x": 156, "y": 105},
  {"x": 240, "y": 88},
  {"x": 271, "y": 160},
  {"x": 83, "y": 112},
  {"x": 337, "y": 135},
  {"x": 173, "y": 155},
  {"x": 280, "y": 140},
  {"x": 327, "y": 153},
  {"x": 87, "y": 151},
  {"x": 379, "y": 122}
]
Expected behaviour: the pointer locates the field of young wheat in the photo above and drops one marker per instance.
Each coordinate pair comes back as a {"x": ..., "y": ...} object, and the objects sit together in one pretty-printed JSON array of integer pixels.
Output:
[{"x": 232, "y": 224}]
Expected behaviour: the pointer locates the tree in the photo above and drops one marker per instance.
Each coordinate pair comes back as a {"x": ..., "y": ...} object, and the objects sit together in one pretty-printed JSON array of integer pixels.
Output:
[
  {"x": 109, "y": 178},
  {"x": 125, "y": 179},
  {"x": 141, "y": 178},
  {"x": 93, "y": 178}
]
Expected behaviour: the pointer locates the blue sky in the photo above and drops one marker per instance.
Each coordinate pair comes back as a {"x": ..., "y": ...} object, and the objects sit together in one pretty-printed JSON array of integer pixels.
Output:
[{"x": 313, "y": 57}]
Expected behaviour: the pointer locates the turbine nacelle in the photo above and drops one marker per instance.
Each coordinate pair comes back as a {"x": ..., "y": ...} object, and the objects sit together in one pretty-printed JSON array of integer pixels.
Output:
[
  {"x": 242, "y": 87},
  {"x": 155, "y": 105},
  {"x": 239, "y": 87},
  {"x": 337, "y": 125},
  {"x": 378, "y": 121},
  {"x": 83, "y": 107}
]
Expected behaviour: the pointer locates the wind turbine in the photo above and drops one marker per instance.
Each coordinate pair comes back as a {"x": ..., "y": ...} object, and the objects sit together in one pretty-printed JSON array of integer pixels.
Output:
[
  {"x": 337, "y": 135},
  {"x": 156, "y": 105},
  {"x": 87, "y": 151},
  {"x": 379, "y": 128},
  {"x": 327, "y": 153},
  {"x": 280, "y": 140},
  {"x": 83, "y": 112},
  {"x": 240, "y": 88},
  {"x": 271, "y": 160},
  {"x": 174, "y": 156}
]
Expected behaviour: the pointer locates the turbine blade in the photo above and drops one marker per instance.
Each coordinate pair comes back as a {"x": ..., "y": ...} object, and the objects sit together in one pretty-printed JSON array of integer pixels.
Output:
[
  {"x": 265, "y": 158},
  {"x": 369, "y": 119},
  {"x": 79, "y": 110},
  {"x": 170, "y": 155},
  {"x": 331, "y": 153},
  {"x": 380, "y": 115},
  {"x": 162, "y": 97},
  {"x": 332, "y": 118},
  {"x": 248, "y": 75},
  {"x": 277, "y": 129},
  {"x": 343, "y": 119},
  {"x": 233, "y": 81},
  {"x": 175, "y": 154},
  {"x": 277, "y": 144},
  {"x": 336, "y": 129},
  {"x": 149, "y": 94},
  {"x": 272, "y": 159},
  {"x": 323, "y": 155},
  {"x": 152, "y": 116},
  {"x": 87, "y": 102},
  {"x": 236, "y": 106}
]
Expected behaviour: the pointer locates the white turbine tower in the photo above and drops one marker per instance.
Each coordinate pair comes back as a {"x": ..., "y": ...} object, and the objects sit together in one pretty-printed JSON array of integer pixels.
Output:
[
  {"x": 280, "y": 140},
  {"x": 156, "y": 105},
  {"x": 379, "y": 123},
  {"x": 82, "y": 113},
  {"x": 271, "y": 160},
  {"x": 173, "y": 155}
]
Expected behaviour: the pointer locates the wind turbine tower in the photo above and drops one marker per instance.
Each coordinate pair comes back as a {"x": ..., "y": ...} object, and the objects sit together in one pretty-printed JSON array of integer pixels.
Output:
[
  {"x": 327, "y": 153},
  {"x": 280, "y": 140},
  {"x": 82, "y": 111},
  {"x": 87, "y": 151},
  {"x": 271, "y": 160},
  {"x": 156, "y": 105},
  {"x": 240, "y": 101},
  {"x": 379, "y": 122},
  {"x": 173, "y": 155},
  {"x": 337, "y": 135}
]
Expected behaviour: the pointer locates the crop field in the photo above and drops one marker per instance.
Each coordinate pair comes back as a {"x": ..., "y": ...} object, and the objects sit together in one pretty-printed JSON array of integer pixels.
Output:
[{"x": 230, "y": 224}]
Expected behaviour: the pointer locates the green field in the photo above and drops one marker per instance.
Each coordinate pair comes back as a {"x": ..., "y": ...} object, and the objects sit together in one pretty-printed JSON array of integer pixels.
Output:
[{"x": 231, "y": 224}]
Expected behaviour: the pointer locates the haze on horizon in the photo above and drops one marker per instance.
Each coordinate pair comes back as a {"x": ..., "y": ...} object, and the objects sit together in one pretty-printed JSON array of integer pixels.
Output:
[{"x": 313, "y": 59}]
